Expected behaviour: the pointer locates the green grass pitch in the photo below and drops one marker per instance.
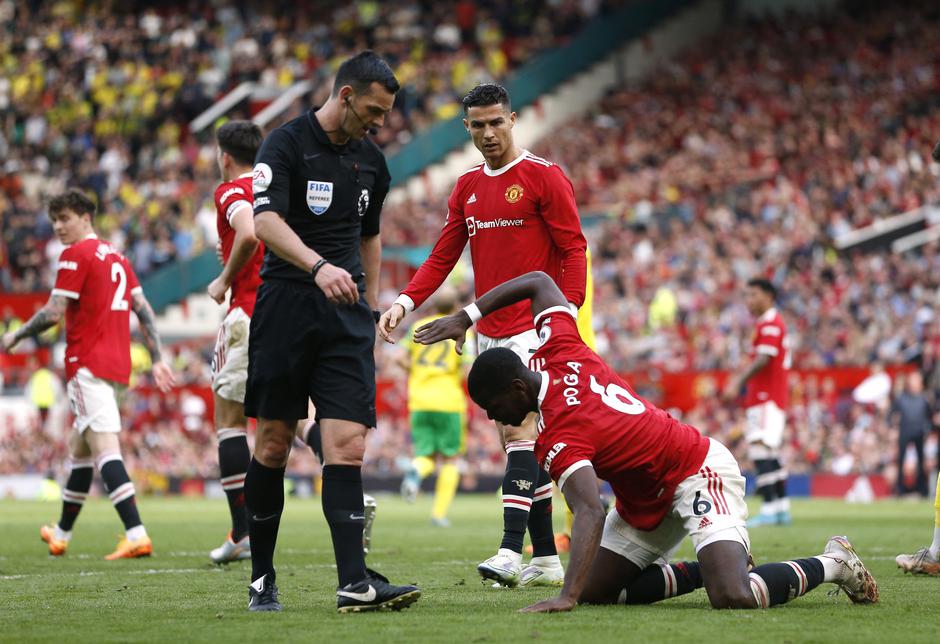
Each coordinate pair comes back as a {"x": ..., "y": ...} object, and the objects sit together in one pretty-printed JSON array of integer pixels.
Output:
[{"x": 178, "y": 596}]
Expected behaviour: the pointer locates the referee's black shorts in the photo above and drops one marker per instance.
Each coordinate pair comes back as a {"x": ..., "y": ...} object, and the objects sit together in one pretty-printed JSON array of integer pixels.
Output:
[{"x": 300, "y": 345}]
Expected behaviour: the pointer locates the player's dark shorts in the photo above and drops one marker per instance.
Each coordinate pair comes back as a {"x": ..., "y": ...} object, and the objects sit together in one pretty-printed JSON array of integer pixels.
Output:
[{"x": 300, "y": 346}]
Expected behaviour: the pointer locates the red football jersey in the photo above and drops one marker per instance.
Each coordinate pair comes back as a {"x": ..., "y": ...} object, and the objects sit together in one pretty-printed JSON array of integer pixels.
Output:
[
  {"x": 518, "y": 219},
  {"x": 770, "y": 383},
  {"x": 229, "y": 197},
  {"x": 99, "y": 281},
  {"x": 590, "y": 416}
]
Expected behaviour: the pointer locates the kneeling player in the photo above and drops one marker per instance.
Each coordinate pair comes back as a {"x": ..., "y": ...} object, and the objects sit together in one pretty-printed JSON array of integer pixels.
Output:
[{"x": 669, "y": 480}]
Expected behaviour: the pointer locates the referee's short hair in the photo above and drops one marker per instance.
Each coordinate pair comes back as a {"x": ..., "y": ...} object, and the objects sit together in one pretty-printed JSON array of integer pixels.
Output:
[
  {"x": 363, "y": 69},
  {"x": 765, "y": 285},
  {"x": 492, "y": 373},
  {"x": 240, "y": 140},
  {"x": 486, "y": 94},
  {"x": 75, "y": 200}
]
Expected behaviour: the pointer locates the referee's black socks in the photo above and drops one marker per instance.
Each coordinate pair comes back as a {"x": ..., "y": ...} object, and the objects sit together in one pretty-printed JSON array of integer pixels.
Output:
[
  {"x": 264, "y": 500},
  {"x": 343, "y": 509}
]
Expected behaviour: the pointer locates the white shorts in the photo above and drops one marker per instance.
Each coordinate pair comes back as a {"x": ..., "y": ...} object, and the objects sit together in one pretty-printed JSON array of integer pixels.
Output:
[
  {"x": 765, "y": 424},
  {"x": 230, "y": 360},
  {"x": 708, "y": 506},
  {"x": 522, "y": 344},
  {"x": 94, "y": 403}
]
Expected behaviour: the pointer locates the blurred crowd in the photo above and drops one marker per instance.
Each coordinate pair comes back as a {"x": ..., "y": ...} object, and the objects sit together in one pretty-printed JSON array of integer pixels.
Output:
[
  {"x": 750, "y": 161},
  {"x": 833, "y": 431},
  {"x": 100, "y": 95}
]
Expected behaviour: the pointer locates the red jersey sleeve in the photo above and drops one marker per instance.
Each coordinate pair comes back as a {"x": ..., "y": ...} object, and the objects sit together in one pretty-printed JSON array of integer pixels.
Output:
[
  {"x": 444, "y": 255},
  {"x": 558, "y": 331},
  {"x": 768, "y": 339},
  {"x": 560, "y": 213},
  {"x": 72, "y": 272},
  {"x": 229, "y": 197},
  {"x": 567, "y": 455}
]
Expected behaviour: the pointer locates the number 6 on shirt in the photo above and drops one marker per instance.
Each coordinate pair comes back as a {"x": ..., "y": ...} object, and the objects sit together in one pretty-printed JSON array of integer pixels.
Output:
[{"x": 613, "y": 396}]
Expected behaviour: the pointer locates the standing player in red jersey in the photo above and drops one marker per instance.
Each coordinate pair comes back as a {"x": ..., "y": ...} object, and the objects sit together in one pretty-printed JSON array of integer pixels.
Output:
[
  {"x": 765, "y": 401},
  {"x": 519, "y": 214},
  {"x": 95, "y": 290},
  {"x": 242, "y": 254},
  {"x": 668, "y": 479}
]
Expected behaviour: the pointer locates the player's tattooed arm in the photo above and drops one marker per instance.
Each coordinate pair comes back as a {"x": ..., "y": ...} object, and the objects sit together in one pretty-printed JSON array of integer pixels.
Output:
[
  {"x": 580, "y": 490},
  {"x": 162, "y": 374},
  {"x": 148, "y": 326},
  {"x": 48, "y": 316}
]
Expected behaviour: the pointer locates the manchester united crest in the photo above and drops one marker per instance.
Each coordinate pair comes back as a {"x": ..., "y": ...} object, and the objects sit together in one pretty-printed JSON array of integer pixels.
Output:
[{"x": 514, "y": 193}]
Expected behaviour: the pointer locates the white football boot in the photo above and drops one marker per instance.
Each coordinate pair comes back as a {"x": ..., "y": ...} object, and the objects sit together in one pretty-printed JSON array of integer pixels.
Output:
[
  {"x": 504, "y": 567},
  {"x": 855, "y": 579},
  {"x": 919, "y": 563},
  {"x": 543, "y": 571},
  {"x": 231, "y": 550}
]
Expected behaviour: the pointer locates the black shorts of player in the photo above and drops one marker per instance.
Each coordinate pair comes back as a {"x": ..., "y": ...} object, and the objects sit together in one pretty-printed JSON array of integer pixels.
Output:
[{"x": 300, "y": 345}]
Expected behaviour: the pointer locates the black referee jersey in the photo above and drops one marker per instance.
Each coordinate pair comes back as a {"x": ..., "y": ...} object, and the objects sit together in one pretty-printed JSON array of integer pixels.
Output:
[{"x": 330, "y": 195}]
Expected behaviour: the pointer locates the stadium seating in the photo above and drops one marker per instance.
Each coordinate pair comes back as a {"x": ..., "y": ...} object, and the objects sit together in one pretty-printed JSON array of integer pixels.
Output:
[{"x": 120, "y": 128}]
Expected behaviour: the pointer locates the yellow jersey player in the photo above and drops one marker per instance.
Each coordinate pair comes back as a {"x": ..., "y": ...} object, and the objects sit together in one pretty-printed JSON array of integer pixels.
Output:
[
  {"x": 437, "y": 407},
  {"x": 585, "y": 323}
]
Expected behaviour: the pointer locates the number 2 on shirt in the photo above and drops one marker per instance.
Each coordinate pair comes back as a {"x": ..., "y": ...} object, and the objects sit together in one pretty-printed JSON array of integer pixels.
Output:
[{"x": 120, "y": 278}]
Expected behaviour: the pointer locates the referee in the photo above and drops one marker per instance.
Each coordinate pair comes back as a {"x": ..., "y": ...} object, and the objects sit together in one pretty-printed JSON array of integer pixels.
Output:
[{"x": 319, "y": 185}]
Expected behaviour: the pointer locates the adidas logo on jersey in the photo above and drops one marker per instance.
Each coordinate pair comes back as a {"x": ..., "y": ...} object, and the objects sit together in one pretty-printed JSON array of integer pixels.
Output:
[
  {"x": 704, "y": 523},
  {"x": 472, "y": 199}
]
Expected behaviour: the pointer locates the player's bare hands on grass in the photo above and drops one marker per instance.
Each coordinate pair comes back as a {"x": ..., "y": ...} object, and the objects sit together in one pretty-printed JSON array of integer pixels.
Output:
[
  {"x": 8, "y": 341},
  {"x": 163, "y": 376},
  {"x": 553, "y": 605},
  {"x": 390, "y": 321},
  {"x": 217, "y": 290},
  {"x": 450, "y": 327},
  {"x": 337, "y": 284}
]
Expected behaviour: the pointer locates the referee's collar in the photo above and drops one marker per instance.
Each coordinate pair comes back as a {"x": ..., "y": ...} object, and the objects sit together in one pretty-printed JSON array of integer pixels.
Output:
[{"x": 320, "y": 134}]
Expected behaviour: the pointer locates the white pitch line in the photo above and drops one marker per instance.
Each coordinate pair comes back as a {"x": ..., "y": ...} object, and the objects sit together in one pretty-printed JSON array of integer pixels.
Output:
[{"x": 116, "y": 574}]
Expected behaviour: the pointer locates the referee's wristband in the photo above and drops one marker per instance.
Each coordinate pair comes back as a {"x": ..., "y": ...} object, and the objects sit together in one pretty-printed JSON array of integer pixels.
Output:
[
  {"x": 473, "y": 312},
  {"x": 316, "y": 267}
]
